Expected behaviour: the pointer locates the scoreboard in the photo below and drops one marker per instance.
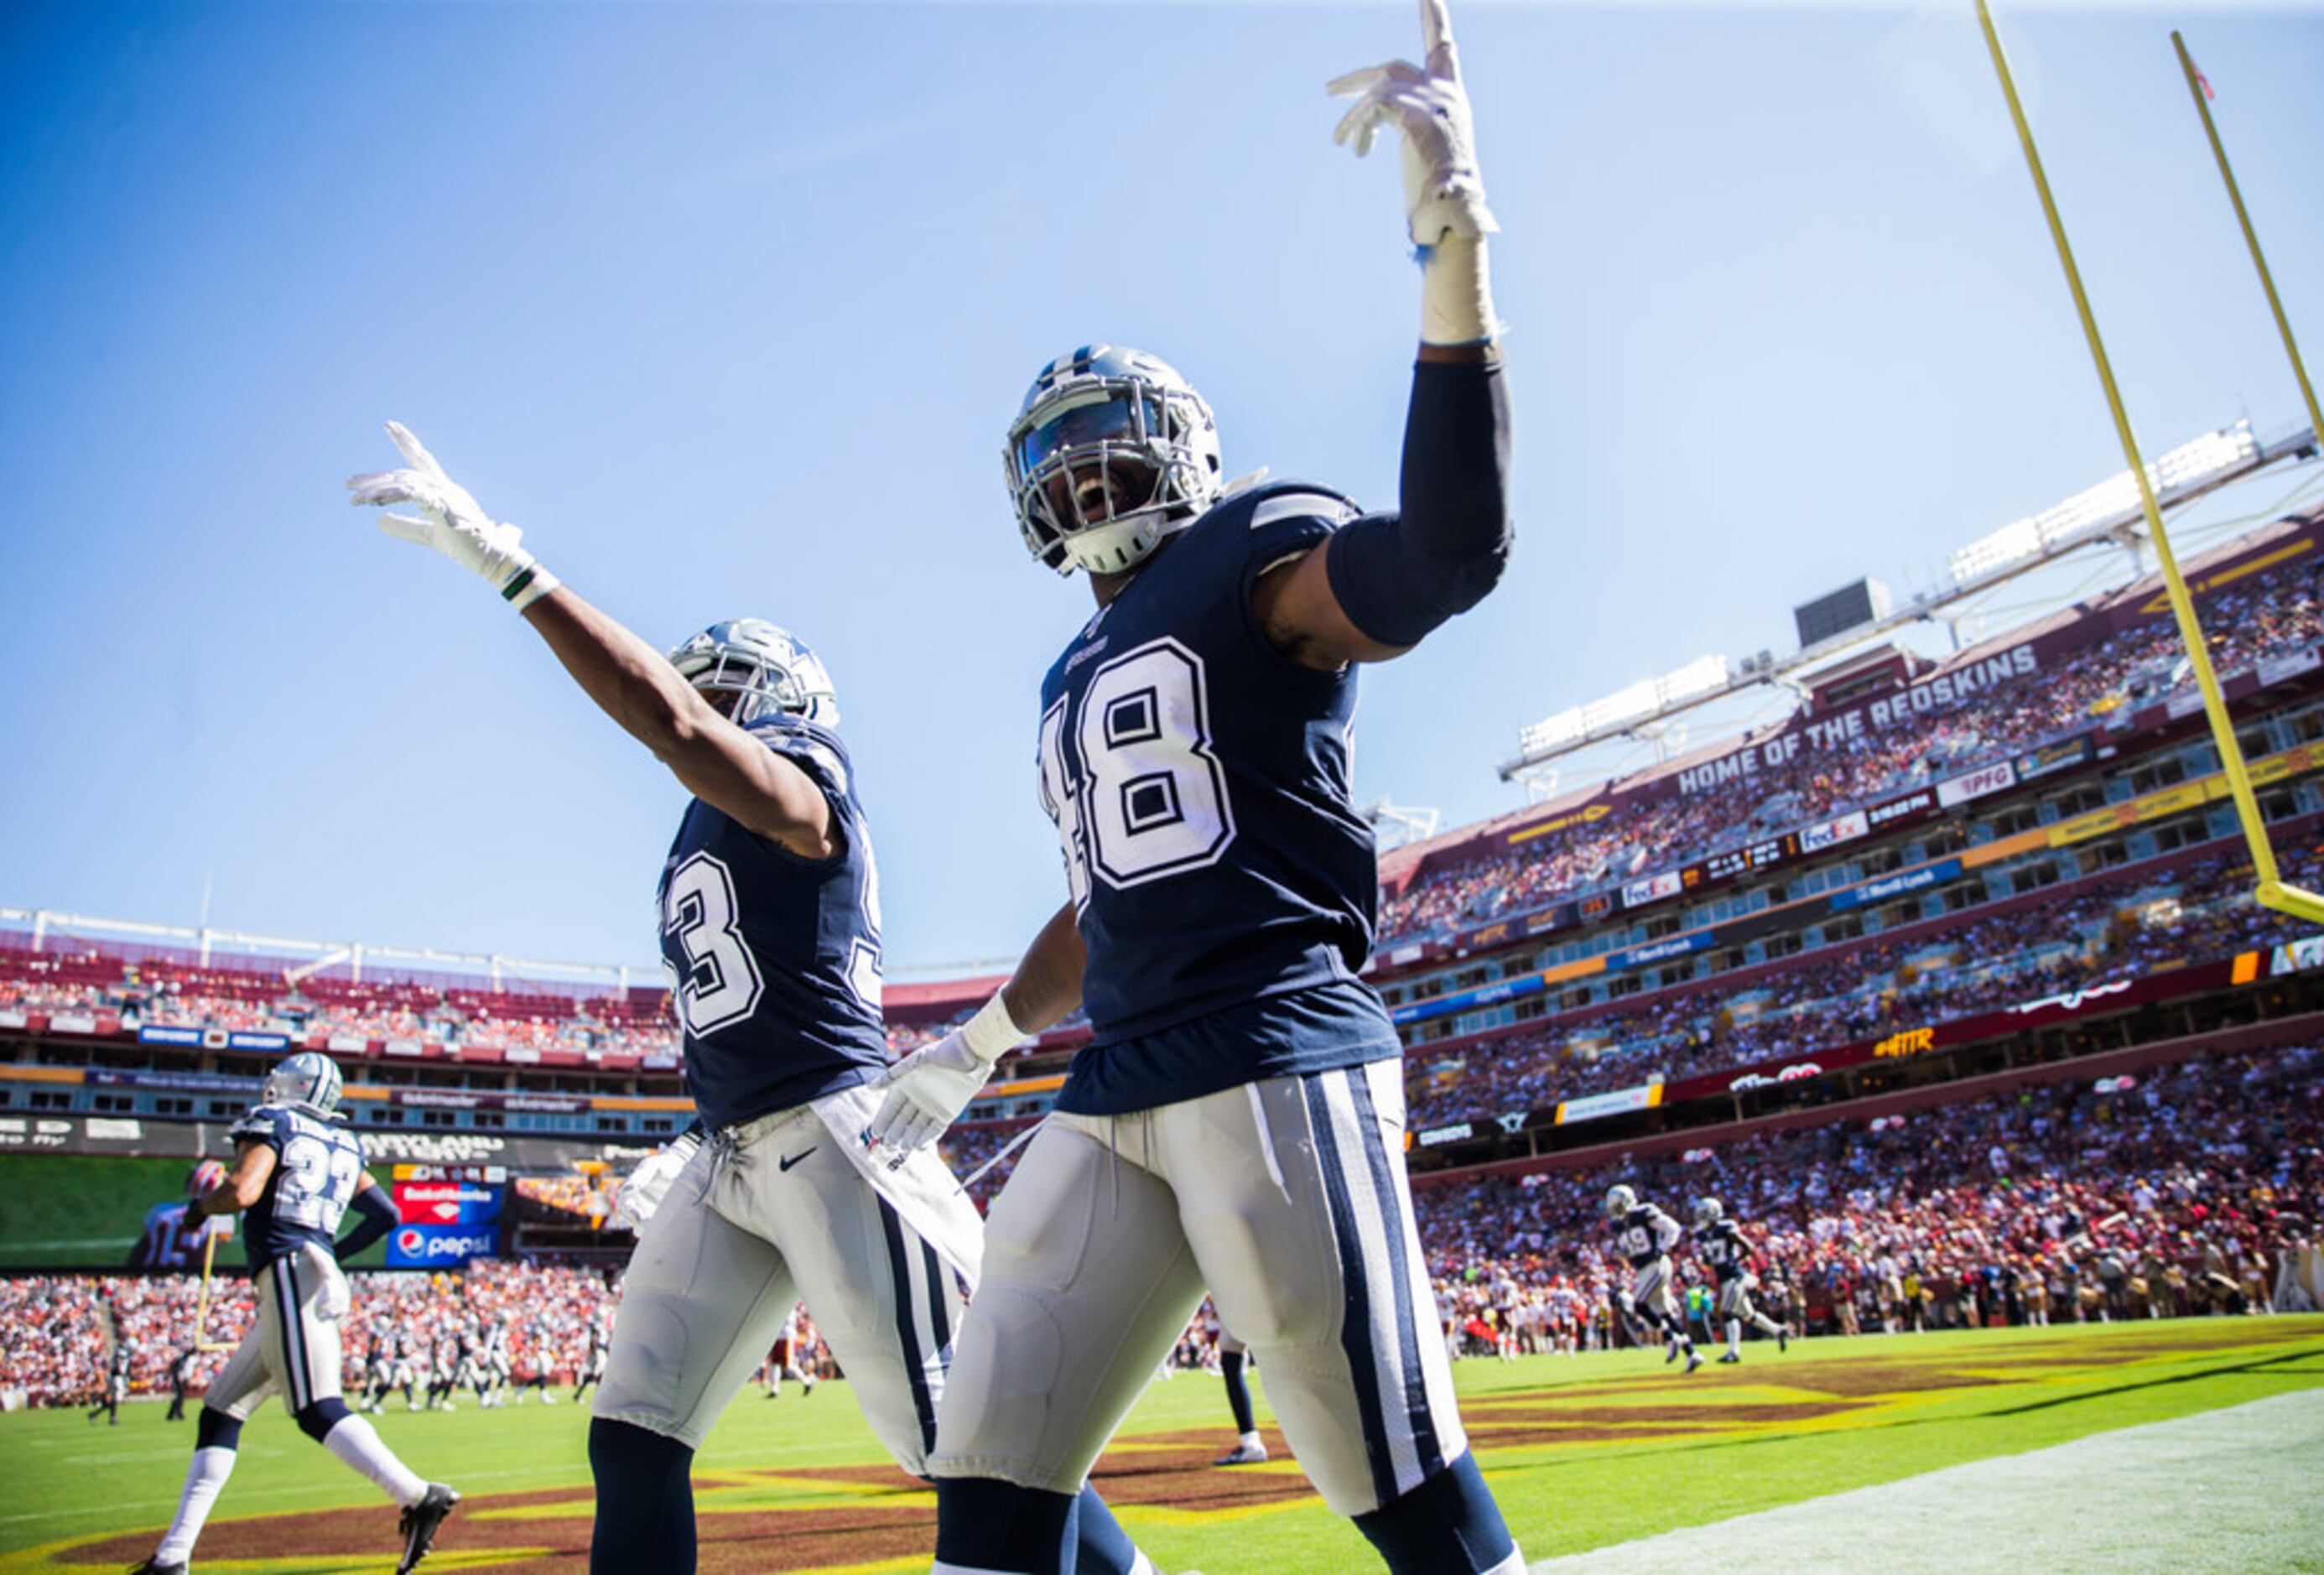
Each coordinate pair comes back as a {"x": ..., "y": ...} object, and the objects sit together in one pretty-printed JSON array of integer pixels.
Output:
[{"x": 447, "y": 1215}]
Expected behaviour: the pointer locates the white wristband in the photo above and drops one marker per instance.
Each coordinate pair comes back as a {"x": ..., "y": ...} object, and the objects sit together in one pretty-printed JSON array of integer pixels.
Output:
[
  {"x": 1456, "y": 292},
  {"x": 528, "y": 586},
  {"x": 991, "y": 1033}
]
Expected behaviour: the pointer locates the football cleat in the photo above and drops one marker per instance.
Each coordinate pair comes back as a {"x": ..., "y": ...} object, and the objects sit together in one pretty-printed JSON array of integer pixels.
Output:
[
  {"x": 309, "y": 1080},
  {"x": 1783, "y": 1336},
  {"x": 420, "y": 1522},
  {"x": 155, "y": 1567},
  {"x": 1670, "y": 1351},
  {"x": 1730, "y": 1359},
  {"x": 1112, "y": 452},
  {"x": 1243, "y": 1454},
  {"x": 1694, "y": 1360}
]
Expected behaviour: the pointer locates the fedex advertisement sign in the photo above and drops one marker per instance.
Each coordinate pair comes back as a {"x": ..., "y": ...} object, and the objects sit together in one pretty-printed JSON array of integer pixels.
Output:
[{"x": 437, "y": 1245}]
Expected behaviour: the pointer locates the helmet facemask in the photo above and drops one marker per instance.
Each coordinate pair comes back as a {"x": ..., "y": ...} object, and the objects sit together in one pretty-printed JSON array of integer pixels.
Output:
[
  {"x": 765, "y": 671},
  {"x": 1102, "y": 464}
]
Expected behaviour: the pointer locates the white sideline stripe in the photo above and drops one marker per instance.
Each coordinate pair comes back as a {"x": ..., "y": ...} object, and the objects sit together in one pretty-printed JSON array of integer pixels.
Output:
[{"x": 2233, "y": 1490}]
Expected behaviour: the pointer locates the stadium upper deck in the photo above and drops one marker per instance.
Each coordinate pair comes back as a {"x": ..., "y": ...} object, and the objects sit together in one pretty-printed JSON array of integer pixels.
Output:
[{"x": 1925, "y": 851}]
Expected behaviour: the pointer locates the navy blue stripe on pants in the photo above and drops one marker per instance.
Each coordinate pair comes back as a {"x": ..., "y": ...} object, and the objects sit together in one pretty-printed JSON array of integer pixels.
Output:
[
  {"x": 1390, "y": 1195},
  {"x": 899, "y": 1270},
  {"x": 1356, "y": 1325},
  {"x": 295, "y": 1381}
]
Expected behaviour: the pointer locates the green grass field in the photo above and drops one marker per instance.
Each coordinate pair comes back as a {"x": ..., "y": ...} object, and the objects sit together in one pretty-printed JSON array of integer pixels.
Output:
[{"x": 1583, "y": 1453}]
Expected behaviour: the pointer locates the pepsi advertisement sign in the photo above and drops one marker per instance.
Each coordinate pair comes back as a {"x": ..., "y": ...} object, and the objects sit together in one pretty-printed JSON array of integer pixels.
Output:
[{"x": 438, "y": 1245}]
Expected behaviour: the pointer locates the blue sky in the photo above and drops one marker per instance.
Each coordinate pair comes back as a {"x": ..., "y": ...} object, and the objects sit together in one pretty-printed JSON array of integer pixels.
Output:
[{"x": 728, "y": 306}]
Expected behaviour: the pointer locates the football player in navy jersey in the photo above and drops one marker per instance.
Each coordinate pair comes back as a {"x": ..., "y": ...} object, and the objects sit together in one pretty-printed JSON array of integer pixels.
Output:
[
  {"x": 1237, "y": 1120},
  {"x": 295, "y": 1173},
  {"x": 1643, "y": 1235},
  {"x": 769, "y": 904},
  {"x": 1720, "y": 1242}
]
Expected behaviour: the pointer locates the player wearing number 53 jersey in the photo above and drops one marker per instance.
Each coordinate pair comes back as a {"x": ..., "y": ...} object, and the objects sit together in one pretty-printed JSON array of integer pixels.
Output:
[
  {"x": 769, "y": 913},
  {"x": 296, "y": 1172},
  {"x": 1236, "y": 1121}
]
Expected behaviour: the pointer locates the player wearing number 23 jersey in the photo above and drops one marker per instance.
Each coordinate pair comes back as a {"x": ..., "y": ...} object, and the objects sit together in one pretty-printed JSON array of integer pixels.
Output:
[{"x": 296, "y": 1173}]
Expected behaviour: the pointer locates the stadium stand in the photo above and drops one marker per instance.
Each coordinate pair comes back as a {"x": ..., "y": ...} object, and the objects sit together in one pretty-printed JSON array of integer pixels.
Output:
[{"x": 1932, "y": 982}]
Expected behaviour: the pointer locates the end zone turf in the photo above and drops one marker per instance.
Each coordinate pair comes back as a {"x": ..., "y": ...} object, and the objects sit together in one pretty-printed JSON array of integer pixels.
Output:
[{"x": 1584, "y": 1453}]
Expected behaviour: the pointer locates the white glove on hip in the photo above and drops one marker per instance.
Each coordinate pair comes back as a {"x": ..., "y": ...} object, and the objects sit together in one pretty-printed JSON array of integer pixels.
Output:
[
  {"x": 643, "y": 1189},
  {"x": 1444, "y": 194},
  {"x": 928, "y": 1088},
  {"x": 331, "y": 1294},
  {"x": 452, "y": 522},
  {"x": 926, "y": 1092}
]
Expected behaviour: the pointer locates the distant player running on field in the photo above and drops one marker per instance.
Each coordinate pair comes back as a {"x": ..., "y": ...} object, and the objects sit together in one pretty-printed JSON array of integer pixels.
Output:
[
  {"x": 1236, "y": 1121},
  {"x": 1718, "y": 1242},
  {"x": 1643, "y": 1235},
  {"x": 769, "y": 904},
  {"x": 295, "y": 1173}
]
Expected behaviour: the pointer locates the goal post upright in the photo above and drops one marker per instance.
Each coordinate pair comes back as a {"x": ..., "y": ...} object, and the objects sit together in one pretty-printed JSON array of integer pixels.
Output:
[{"x": 2270, "y": 891}]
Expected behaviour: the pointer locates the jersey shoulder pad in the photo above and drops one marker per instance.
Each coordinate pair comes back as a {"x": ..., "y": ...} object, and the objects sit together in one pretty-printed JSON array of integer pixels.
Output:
[
  {"x": 809, "y": 744},
  {"x": 265, "y": 1123}
]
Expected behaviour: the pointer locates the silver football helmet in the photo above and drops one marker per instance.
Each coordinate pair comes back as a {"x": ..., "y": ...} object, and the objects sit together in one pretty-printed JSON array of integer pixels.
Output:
[
  {"x": 1708, "y": 1211},
  {"x": 1112, "y": 452},
  {"x": 771, "y": 671},
  {"x": 1620, "y": 1201},
  {"x": 309, "y": 1080}
]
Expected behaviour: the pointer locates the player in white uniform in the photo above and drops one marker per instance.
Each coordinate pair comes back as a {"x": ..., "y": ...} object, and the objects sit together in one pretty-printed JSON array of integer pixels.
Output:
[
  {"x": 295, "y": 1173},
  {"x": 769, "y": 916},
  {"x": 1236, "y": 1121}
]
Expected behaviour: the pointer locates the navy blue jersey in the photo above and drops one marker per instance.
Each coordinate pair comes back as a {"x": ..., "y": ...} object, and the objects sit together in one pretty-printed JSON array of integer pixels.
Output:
[
  {"x": 1645, "y": 1234},
  {"x": 317, "y": 1166},
  {"x": 776, "y": 957},
  {"x": 1723, "y": 1246},
  {"x": 1199, "y": 781}
]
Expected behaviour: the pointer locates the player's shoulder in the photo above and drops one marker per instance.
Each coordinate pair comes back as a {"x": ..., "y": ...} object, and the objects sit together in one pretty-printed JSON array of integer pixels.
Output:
[
  {"x": 810, "y": 745},
  {"x": 1259, "y": 515},
  {"x": 265, "y": 1123}
]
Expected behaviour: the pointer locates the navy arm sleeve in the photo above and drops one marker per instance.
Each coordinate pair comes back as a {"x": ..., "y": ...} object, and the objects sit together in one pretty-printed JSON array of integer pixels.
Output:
[
  {"x": 378, "y": 1220},
  {"x": 1399, "y": 576}
]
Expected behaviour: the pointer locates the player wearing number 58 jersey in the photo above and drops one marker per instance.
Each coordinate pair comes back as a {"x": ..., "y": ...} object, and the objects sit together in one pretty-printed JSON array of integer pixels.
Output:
[
  {"x": 296, "y": 1172},
  {"x": 769, "y": 912},
  {"x": 1236, "y": 1121}
]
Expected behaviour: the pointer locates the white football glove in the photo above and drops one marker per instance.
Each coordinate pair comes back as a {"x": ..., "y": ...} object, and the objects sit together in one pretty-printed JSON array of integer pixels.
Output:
[
  {"x": 643, "y": 1189},
  {"x": 1444, "y": 194},
  {"x": 926, "y": 1092},
  {"x": 452, "y": 522},
  {"x": 928, "y": 1088}
]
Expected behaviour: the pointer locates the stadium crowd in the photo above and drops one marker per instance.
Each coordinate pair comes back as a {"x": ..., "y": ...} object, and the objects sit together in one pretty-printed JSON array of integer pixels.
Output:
[
  {"x": 2176, "y": 1192},
  {"x": 2091, "y": 932},
  {"x": 2171, "y": 1193},
  {"x": 2274, "y": 612},
  {"x": 157, "y": 991}
]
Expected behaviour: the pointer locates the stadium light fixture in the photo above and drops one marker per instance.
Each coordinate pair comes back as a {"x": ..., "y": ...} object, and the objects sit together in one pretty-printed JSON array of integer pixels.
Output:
[
  {"x": 1705, "y": 674},
  {"x": 2112, "y": 499}
]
